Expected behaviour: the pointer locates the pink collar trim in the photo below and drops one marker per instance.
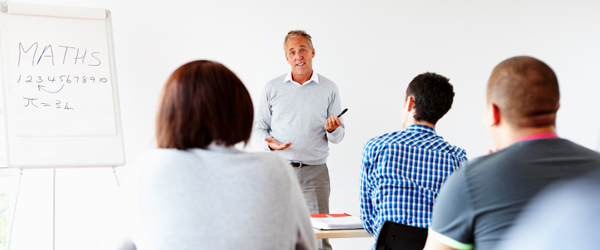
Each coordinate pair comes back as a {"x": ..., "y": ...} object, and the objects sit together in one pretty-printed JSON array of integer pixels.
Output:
[{"x": 538, "y": 136}]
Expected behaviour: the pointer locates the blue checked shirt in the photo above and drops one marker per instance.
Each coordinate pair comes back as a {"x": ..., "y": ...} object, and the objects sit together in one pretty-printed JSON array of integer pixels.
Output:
[{"x": 402, "y": 173}]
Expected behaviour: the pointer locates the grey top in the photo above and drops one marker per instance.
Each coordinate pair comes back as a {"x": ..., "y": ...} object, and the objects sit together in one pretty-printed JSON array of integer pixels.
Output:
[
  {"x": 297, "y": 113},
  {"x": 219, "y": 198},
  {"x": 564, "y": 216},
  {"x": 481, "y": 200}
]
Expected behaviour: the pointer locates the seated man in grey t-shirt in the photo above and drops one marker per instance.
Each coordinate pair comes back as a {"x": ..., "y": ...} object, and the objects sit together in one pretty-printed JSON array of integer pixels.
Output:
[{"x": 482, "y": 199}]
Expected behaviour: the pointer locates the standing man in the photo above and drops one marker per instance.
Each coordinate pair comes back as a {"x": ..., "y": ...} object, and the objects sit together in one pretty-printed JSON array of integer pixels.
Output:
[
  {"x": 402, "y": 172},
  {"x": 298, "y": 116},
  {"x": 481, "y": 200}
]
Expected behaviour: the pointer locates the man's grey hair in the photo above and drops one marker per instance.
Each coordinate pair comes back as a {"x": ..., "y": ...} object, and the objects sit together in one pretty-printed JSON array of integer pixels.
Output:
[{"x": 295, "y": 33}]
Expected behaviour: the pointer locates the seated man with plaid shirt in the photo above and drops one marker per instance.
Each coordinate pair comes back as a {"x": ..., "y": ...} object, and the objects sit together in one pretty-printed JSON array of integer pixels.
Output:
[{"x": 402, "y": 172}]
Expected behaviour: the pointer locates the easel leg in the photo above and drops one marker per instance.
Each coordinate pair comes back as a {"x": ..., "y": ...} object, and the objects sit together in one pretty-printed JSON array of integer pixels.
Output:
[
  {"x": 116, "y": 177},
  {"x": 54, "y": 210},
  {"x": 14, "y": 210}
]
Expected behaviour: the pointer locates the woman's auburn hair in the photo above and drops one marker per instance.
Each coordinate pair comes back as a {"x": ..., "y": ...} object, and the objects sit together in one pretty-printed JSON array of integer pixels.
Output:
[{"x": 203, "y": 102}]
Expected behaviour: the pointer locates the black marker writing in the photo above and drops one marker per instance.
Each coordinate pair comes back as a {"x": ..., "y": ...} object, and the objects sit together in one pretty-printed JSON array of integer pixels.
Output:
[
  {"x": 92, "y": 54},
  {"x": 30, "y": 101},
  {"x": 21, "y": 48},
  {"x": 44, "y": 51},
  {"x": 41, "y": 87},
  {"x": 82, "y": 57},
  {"x": 66, "y": 50},
  {"x": 79, "y": 55},
  {"x": 67, "y": 106}
]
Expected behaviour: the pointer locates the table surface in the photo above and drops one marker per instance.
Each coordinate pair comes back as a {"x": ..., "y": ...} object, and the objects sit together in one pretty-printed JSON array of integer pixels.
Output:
[{"x": 349, "y": 233}]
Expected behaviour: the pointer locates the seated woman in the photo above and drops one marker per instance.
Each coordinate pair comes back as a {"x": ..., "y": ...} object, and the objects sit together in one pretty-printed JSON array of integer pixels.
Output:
[{"x": 196, "y": 191}]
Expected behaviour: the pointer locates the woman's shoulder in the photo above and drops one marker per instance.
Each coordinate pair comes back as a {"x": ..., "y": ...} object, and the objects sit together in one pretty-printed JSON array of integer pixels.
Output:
[
  {"x": 195, "y": 152},
  {"x": 265, "y": 156},
  {"x": 165, "y": 153},
  {"x": 265, "y": 161}
]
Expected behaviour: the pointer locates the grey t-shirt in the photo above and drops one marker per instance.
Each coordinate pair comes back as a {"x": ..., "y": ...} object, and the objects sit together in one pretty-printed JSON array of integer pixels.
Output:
[
  {"x": 564, "y": 216},
  {"x": 481, "y": 200}
]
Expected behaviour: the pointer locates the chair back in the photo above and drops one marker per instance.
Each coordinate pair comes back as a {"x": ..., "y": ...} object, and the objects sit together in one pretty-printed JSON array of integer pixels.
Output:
[{"x": 396, "y": 236}]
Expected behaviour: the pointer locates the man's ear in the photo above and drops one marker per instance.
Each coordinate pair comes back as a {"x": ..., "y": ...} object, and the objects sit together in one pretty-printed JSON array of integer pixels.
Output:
[
  {"x": 409, "y": 104},
  {"x": 493, "y": 115},
  {"x": 557, "y": 107}
]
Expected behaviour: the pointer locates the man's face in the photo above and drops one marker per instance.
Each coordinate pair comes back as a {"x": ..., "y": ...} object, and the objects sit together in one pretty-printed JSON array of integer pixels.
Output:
[{"x": 299, "y": 55}]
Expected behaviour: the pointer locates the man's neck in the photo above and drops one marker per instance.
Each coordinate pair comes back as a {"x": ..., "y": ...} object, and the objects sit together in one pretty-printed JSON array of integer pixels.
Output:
[
  {"x": 513, "y": 135},
  {"x": 415, "y": 122},
  {"x": 301, "y": 78}
]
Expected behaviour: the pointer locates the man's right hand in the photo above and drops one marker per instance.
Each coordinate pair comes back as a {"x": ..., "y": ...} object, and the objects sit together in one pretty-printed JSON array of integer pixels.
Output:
[{"x": 275, "y": 145}]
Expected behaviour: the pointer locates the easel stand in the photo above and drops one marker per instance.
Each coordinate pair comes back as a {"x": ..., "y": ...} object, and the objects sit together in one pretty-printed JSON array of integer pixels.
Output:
[
  {"x": 13, "y": 210},
  {"x": 69, "y": 133},
  {"x": 14, "y": 206}
]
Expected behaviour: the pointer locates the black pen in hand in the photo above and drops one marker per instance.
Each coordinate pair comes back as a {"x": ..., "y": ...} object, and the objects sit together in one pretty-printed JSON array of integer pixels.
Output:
[{"x": 343, "y": 112}]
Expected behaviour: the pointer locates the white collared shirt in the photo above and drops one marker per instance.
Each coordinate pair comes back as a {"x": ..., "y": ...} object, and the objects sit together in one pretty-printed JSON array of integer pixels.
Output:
[{"x": 313, "y": 78}]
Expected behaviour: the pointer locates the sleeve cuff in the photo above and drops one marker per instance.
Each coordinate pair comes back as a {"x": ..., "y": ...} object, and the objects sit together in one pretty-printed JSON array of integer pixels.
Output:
[
  {"x": 335, "y": 136},
  {"x": 449, "y": 241},
  {"x": 266, "y": 146}
]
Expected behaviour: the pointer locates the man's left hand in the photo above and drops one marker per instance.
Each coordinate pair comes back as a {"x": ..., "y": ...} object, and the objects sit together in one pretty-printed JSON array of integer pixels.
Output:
[{"x": 332, "y": 123}]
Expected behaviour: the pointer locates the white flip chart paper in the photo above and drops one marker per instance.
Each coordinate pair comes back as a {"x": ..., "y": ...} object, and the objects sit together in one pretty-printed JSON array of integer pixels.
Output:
[{"x": 60, "y": 78}]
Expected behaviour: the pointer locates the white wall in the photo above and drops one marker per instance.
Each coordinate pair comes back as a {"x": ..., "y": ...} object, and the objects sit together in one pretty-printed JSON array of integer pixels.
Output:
[{"x": 371, "y": 49}]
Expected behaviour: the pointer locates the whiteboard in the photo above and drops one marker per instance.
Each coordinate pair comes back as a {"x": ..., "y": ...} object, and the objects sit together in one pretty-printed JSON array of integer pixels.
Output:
[{"x": 59, "y": 87}]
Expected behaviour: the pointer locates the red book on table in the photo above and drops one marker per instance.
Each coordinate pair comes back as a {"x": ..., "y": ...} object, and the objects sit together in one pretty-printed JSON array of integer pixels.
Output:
[{"x": 329, "y": 215}]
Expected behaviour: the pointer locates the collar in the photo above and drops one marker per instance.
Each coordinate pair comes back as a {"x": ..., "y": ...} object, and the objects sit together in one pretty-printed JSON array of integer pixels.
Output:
[
  {"x": 420, "y": 129},
  {"x": 538, "y": 136},
  {"x": 313, "y": 78},
  {"x": 217, "y": 147}
]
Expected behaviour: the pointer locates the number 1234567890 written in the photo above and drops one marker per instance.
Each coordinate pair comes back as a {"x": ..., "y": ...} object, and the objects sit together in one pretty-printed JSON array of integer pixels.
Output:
[{"x": 62, "y": 78}]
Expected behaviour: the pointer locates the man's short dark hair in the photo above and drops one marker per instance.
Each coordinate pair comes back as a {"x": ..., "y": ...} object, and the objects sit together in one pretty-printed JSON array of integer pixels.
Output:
[
  {"x": 526, "y": 92},
  {"x": 433, "y": 95},
  {"x": 203, "y": 102}
]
